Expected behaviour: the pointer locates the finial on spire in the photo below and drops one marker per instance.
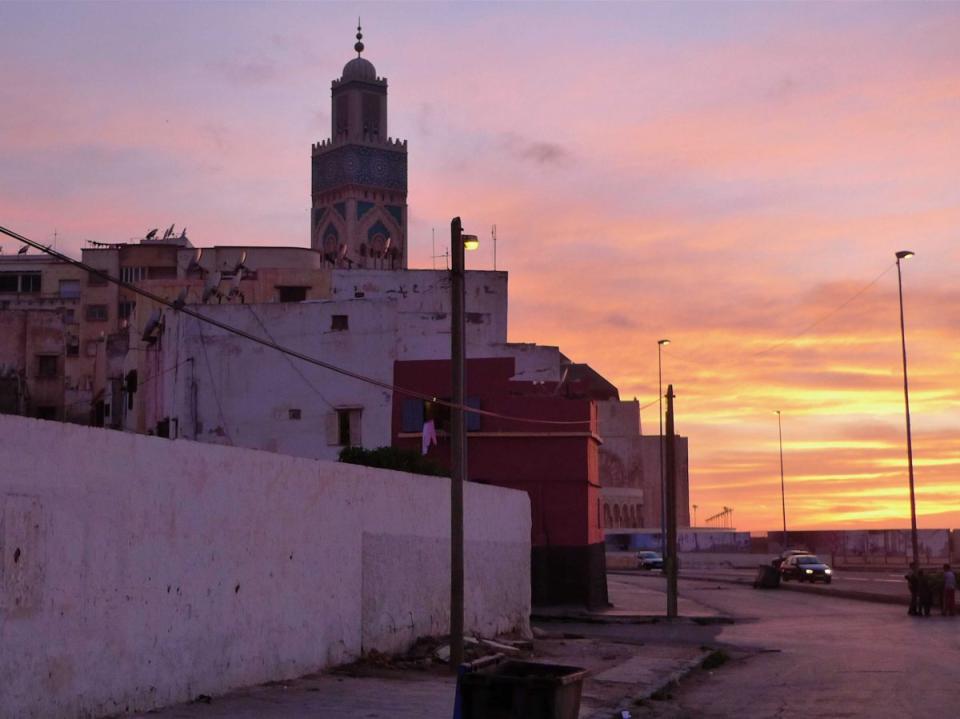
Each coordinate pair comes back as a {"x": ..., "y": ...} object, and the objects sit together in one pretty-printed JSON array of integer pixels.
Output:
[{"x": 359, "y": 45}]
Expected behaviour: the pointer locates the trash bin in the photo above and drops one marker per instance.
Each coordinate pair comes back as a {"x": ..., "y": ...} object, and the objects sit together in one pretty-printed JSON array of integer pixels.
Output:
[
  {"x": 768, "y": 577},
  {"x": 514, "y": 689}
]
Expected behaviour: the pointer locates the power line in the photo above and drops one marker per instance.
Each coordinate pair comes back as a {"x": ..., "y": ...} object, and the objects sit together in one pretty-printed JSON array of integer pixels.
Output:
[{"x": 187, "y": 310}]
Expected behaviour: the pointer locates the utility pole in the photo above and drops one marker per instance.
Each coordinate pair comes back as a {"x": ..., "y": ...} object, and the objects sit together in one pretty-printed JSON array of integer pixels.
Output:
[
  {"x": 783, "y": 491},
  {"x": 458, "y": 444},
  {"x": 671, "y": 476}
]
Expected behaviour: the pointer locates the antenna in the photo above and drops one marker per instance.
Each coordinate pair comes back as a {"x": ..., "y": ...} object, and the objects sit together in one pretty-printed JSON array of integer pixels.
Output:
[
  {"x": 168, "y": 232},
  {"x": 181, "y": 298},
  {"x": 493, "y": 236},
  {"x": 433, "y": 246}
]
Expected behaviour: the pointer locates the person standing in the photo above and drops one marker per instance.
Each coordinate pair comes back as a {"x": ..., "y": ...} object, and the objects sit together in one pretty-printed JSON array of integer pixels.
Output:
[
  {"x": 914, "y": 587},
  {"x": 949, "y": 590},
  {"x": 924, "y": 594}
]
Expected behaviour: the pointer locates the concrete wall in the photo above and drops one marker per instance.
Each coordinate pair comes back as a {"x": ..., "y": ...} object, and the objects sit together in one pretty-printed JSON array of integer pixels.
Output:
[{"x": 138, "y": 572}]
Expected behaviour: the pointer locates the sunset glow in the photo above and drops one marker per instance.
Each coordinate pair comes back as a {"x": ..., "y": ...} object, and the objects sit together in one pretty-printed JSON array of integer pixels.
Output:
[{"x": 736, "y": 177}]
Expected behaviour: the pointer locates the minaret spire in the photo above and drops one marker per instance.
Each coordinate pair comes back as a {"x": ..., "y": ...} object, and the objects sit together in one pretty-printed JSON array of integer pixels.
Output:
[{"x": 359, "y": 44}]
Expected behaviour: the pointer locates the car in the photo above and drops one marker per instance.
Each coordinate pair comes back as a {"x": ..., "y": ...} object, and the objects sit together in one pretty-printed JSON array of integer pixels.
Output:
[
  {"x": 649, "y": 560},
  {"x": 805, "y": 568}
]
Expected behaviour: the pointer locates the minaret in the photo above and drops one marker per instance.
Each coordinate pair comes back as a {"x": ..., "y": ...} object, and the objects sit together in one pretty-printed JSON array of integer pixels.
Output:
[{"x": 359, "y": 216}]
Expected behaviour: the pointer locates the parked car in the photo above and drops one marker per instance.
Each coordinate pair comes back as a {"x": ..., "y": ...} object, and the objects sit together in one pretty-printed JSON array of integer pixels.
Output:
[
  {"x": 649, "y": 560},
  {"x": 805, "y": 568}
]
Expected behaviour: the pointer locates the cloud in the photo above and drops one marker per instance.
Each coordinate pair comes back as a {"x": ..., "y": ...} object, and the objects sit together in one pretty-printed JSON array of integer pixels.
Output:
[{"x": 537, "y": 152}]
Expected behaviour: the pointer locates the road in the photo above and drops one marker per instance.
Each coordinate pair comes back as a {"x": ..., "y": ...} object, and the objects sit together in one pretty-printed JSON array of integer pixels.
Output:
[
  {"x": 801, "y": 655},
  {"x": 890, "y": 584}
]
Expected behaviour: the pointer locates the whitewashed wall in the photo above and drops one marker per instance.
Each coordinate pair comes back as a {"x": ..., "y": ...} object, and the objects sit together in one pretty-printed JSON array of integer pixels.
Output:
[{"x": 138, "y": 572}]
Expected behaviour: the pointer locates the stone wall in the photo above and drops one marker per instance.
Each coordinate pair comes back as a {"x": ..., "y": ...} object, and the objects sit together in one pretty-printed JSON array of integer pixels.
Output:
[{"x": 138, "y": 572}]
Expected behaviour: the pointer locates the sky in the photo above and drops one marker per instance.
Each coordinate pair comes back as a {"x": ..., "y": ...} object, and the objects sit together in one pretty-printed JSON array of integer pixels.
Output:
[{"x": 735, "y": 177}]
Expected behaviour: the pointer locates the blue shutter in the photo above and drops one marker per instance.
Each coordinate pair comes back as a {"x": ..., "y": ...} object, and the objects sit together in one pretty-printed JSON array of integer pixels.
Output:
[
  {"x": 473, "y": 419},
  {"x": 412, "y": 415}
]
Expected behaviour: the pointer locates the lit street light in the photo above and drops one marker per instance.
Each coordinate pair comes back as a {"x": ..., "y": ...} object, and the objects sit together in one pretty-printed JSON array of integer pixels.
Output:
[
  {"x": 783, "y": 491},
  {"x": 458, "y": 436},
  {"x": 663, "y": 476},
  {"x": 902, "y": 255}
]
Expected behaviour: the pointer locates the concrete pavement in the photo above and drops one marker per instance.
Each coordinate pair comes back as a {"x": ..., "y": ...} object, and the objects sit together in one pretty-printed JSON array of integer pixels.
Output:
[{"x": 622, "y": 670}]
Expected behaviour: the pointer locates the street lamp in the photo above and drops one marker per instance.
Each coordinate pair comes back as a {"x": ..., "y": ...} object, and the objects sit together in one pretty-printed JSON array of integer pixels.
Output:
[
  {"x": 902, "y": 255},
  {"x": 663, "y": 476},
  {"x": 783, "y": 491},
  {"x": 458, "y": 436}
]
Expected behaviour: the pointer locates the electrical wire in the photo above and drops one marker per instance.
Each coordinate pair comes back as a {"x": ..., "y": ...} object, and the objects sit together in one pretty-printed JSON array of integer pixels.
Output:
[
  {"x": 293, "y": 365},
  {"x": 187, "y": 310}
]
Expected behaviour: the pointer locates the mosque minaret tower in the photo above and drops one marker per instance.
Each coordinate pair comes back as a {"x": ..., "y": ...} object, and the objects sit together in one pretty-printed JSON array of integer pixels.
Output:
[{"x": 359, "y": 187}]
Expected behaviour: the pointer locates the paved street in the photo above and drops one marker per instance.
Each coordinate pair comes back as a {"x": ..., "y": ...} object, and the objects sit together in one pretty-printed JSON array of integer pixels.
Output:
[
  {"x": 801, "y": 655},
  {"x": 888, "y": 583}
]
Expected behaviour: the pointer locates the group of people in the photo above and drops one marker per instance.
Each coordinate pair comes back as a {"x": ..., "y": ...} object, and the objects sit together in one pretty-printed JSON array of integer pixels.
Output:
[{"x": 924, "y": 586}]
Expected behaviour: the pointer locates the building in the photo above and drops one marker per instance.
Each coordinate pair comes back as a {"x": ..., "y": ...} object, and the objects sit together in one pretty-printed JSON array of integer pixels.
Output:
[
  {"x": 359, "y": 176},
  {"x": 42, "y": 372},
  {"x": 543, "y": 442}
]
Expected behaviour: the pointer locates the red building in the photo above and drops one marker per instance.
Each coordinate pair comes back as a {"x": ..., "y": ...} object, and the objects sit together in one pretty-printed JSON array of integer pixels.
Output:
[{"x": 555, "y": 464}]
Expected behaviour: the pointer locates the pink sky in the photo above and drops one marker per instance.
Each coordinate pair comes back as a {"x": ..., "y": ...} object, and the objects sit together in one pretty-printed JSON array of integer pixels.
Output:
[{"x": 722, "y": 175}]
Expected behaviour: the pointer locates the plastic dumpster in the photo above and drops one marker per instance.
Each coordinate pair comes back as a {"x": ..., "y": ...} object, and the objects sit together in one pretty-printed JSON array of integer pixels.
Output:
[
  {"x": 768, "y": 577},
  {"x": 513, "y": 689}
]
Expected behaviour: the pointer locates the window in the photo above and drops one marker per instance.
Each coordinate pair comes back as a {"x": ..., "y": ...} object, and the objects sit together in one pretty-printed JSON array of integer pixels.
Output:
[
  {"x": 414, "y": 412},
  {"x": 292, "y": 294},
  {"x": 73, "y": 346},
  {"x": 69, "y": 288},
  {"x": 125, "y": 309},
  {"x": 96, "y": 313},
  {"x": 294, "y": 414},
  {"x": 20, "y": 282},
  {"x": 47, "y": 366},
  {"x": 343, "y": 427},
  {"x": 133, "y": 274},
  {"x": 339, "y": 323},
  {"x": 69, "y": 316}
]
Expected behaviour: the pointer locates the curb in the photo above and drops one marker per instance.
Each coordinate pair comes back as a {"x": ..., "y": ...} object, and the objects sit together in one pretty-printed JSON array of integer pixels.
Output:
[
  {"x": 813, "y": 589},
  {"x": 629, "y": 703},
  {"x": 630, "y": 619}
]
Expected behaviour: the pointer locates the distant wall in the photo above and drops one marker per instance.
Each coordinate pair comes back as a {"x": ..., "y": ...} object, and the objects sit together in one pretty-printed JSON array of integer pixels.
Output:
[{"x": 138, "y": 572}]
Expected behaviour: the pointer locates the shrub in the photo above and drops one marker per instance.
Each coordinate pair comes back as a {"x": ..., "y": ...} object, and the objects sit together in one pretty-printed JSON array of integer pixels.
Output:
[{"x": 402, "y": 460}]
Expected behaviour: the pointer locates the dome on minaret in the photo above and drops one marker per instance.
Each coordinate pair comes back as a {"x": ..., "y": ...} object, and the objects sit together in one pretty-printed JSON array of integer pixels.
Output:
[{"x": 359, "y": 68}]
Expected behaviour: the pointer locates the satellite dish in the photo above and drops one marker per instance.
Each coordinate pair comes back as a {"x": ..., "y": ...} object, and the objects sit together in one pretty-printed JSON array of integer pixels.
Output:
[
  {"x": 343, "y": 251},
  {"x": 181, "y": 298},
  {"x": 386, "y": 245},
  {"x": 153, "y": 233},
  {"x": 152, "y": 324},
  {"x": 210, "y": 285},
  {"x": 240, "y": 266},
  {"x": 23, "y": 250}
]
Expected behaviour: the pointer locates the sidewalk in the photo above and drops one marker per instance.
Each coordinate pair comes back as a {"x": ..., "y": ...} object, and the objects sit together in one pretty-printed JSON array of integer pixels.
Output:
[{"x": 620, "y": 671}]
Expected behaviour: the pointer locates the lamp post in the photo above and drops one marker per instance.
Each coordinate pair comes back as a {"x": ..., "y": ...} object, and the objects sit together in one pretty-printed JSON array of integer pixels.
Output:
[
  {"x": 902, "y": 255},
  {"x": 458, "y": 436},
  {"x": 783, "y": 491},
  {"x": 694, "y": 515},
  {"x": 663, "y": 481}
]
